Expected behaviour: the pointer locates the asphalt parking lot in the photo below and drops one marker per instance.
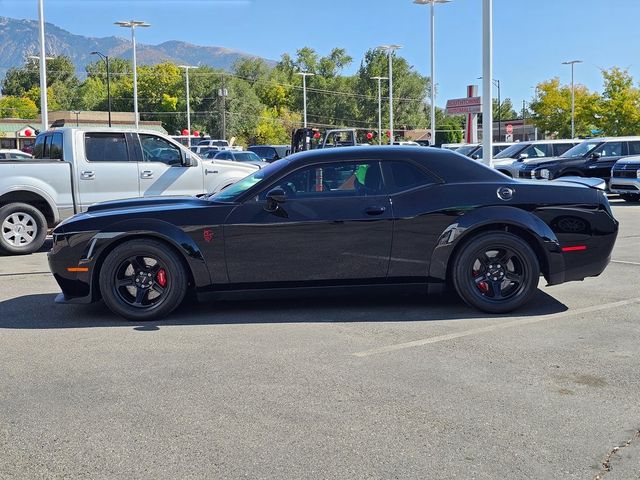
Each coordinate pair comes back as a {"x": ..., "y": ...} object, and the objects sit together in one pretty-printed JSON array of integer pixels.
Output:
[{"x": 398, "y": 387}]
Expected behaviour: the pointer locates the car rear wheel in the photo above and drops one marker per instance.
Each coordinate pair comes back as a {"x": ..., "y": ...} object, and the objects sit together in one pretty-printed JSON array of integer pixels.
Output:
[
  {"x": 496, "y": 272},
  {"x": 23, "y": 229},
  {"x": 143, "y": 280},
  {"x": 630, "y": 197}
]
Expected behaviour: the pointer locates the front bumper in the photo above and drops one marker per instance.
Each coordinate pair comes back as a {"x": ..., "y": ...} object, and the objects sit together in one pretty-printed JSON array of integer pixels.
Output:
[{"x": 625, "y": 185}]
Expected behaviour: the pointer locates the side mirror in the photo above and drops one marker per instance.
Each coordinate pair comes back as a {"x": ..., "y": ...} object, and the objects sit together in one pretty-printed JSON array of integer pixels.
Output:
[
  {"x": 595, "y": 156},
  {"x": 522, "y": 156},
  {"x": 189, "y": 161},
  {"x": 275, "y": 197},
  {"x": 475, "y": 156}
]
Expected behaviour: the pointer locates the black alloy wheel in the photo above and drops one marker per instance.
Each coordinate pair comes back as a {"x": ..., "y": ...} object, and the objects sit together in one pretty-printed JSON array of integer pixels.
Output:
[
  {"x": 143, "y": 280},
  {"x": 496, "y": 272}
]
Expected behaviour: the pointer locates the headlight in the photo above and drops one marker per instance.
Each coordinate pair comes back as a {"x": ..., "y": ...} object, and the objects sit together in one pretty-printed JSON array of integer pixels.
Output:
[{"x": 544, "y": 173}]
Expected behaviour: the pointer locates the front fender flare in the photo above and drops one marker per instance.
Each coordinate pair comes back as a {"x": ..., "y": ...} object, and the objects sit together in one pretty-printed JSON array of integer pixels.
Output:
[{"x": 130, "y": 229}]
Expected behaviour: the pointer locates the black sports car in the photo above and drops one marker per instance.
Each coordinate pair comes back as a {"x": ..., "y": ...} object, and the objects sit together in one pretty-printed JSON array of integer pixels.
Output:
[{"x": 351, "y": 217}]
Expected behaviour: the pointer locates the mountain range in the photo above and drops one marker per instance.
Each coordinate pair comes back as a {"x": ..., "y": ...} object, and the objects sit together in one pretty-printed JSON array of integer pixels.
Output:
[{"x": 19, "y": 38}]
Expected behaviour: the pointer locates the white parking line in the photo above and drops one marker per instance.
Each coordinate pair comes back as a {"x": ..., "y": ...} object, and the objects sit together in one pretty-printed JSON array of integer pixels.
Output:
[
  {"x": 513, "y": 323},
  {"x": 625, "y": 263}
]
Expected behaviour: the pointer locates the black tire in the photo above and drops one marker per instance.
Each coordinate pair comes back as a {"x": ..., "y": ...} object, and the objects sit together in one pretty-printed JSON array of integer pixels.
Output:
[
  {"x": 23, "y": 229},
  {"x": 630, "y": 197},
  {"x": 129, "y": 270},
  {"x": 505, "y": 280}
]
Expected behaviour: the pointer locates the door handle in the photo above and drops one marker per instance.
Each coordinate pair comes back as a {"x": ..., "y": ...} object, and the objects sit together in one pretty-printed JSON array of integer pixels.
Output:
[
  {"x": 375, "y": 210},
  {"x": 87, "y": 175},
  {"x": 146, "y": 174},
  {"x": 207, "y": 171}
]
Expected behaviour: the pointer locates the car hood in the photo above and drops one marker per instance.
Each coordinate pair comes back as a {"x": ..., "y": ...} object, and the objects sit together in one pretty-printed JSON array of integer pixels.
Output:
[
  {"x": 543, "y": 160},
  {"x": 148, "y": 202},
  {"x": 634, "y": 162}
]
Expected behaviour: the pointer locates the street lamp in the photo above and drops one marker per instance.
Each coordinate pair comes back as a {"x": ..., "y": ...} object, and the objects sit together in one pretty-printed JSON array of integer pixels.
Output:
[
  {"x": 44, "y": 109},
  {"x": 433, "y": 60},
  {"x": 390, "y": 49},
  {"x": 497, "y": 84},
  {"x": 487, "y": 74},
  {"x": 379, "y": 79},
  {"x": 132, "y": 24},
  {"x": 304, "y": 76},
  {"x": 573, "y": 98},
  {"x": 186, "y": 69},
  {"x": 106, "y": 61}
]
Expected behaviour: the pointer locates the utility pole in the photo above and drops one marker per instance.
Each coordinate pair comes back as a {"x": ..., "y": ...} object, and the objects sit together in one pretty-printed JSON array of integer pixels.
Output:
[
  {"x": 390, "y": 49},
  {"x": 44, "y": 108},
  {"x": 487, "y": 76},
  {"x": 379, "y": 79},
  {"x": 524, "y": 120},
  {"x": 573, "y": 98},
  {"x": 223, "y": 94},
  {"x": 186, "y": 71},
  {"x": 304, "y": 76}
]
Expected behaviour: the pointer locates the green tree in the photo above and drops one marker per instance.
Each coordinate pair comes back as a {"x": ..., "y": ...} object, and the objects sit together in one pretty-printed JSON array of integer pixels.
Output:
[
  {"x": 17, "y": 107},
  {"x": 619, "y": 109},
  {"x": 551, "y": 109},
  {"x": 60, "y": 70}
]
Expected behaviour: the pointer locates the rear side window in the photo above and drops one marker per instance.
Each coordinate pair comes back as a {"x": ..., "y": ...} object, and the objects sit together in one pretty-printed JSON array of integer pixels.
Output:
[
  {"x": 609, "y": 149},
  {"x": 537, "y": 151},
  {"x": 106, "y": 147},
  {"x": 634, "y": 148},
  {"x": 405, "y": 176},
  {"x": 48, "y": 147}
]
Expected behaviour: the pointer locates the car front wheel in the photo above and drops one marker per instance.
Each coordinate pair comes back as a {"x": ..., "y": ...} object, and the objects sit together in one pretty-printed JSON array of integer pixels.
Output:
[
  {"x": 143, "y": 280},
  {"x": 496, "y": 272}
]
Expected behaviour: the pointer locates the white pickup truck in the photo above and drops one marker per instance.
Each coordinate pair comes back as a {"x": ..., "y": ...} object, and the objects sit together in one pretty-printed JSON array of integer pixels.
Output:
[{"x": 74, "y": 168}]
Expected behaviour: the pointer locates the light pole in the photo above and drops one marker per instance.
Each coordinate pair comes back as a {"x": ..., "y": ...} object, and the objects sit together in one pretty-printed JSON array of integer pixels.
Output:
[
  {"x": 487, "y": 74},
  {"x": 433, "y": 60},
  {"x": 497, "y": 84},
  {"x": 77, "y": 114},
  {"x": 304, "y": 76},
  {"x": 186, "y": 70},
  {"x": 44, "y": 108},
  {"x": 132, "y": 24},
  {"x": 390, "y": 49},
  {"x": 106, "y": 61},
  {"x": 573, "y": 98},
  {"x": 379, "y": 79}
]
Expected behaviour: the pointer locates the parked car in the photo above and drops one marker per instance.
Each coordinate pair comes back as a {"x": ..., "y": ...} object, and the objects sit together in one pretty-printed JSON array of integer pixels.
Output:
[
  {"x": 270, "y": 153},
  {"x": 509, "y": 159},
  {"x": 625, "y": 178},
  {"x": 221, "y": 144},
  {"x": 475, "y": 151},
  {"x": 11, "y": 154},
  {"x": 74, "y": 168},
  {"x": 202, "y": 149},
  {"x": 371, "y": 218},
  {"x": 591, "y": 158},
  {"x": 451, "y": 146},
  {"x": 245, "y": 157}
]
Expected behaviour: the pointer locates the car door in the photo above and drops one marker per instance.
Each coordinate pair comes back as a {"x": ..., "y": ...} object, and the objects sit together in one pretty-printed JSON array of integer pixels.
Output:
[
  {"x": 162, "y": 170},
  {"x": 107, "y": 170},
  {"x": 334, "y": 226},
  {"x": 607, "y": 155}
]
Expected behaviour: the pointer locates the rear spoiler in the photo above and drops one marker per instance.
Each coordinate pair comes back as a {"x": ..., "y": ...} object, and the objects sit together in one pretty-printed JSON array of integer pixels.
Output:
[{"x": 597, "y": 183}]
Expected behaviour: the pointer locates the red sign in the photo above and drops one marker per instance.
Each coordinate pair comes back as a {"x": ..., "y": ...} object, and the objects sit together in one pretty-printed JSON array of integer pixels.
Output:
[
  {"x": 464, "y": 105},
  {"x": 509, "y": 129}
]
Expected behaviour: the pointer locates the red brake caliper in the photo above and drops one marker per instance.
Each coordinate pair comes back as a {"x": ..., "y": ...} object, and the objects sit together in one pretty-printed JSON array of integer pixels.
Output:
[
  {"x": 482, "y": 286},
  {"x": 161, "y": 277}
]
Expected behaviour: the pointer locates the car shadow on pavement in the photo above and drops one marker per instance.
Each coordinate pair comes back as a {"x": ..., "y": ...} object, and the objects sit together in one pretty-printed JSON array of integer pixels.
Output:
[{"x": 40, "y": 312}]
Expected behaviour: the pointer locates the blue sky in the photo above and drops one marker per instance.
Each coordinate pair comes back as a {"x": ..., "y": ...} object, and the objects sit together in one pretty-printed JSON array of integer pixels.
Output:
[{"x": 531, "y": 38}]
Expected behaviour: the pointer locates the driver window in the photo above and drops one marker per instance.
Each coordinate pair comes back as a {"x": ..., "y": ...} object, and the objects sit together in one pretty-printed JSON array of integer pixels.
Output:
[
  {"x": 332, "y": 180},
  {"x": 609, "y": 149},
  {"x": 157, "y": 149}
]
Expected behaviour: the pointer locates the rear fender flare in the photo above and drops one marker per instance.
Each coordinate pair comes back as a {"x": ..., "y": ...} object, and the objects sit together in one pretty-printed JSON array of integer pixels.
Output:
[{"x": 546, "y": 241}]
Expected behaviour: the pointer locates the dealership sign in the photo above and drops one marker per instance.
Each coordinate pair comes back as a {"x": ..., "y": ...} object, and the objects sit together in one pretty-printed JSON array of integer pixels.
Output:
[{"x": 464, "y": 105}]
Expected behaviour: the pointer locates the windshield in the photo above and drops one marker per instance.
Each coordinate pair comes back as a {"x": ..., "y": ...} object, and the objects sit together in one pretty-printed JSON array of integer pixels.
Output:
[
  {"x": 581, "y": 149},
  {"x": 230, "y": 194},
  {"x": 466, "y": 149},
  {"x": 512, "y": 151},
  {"x": 246, "y": 157}
]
